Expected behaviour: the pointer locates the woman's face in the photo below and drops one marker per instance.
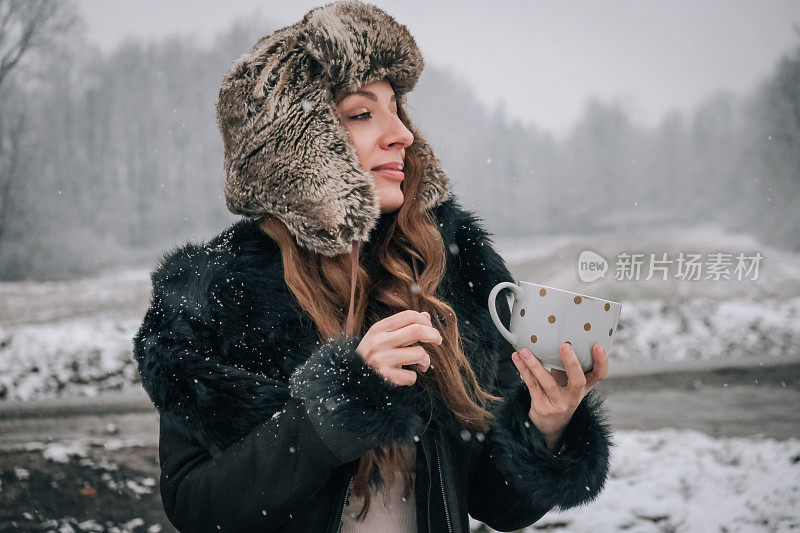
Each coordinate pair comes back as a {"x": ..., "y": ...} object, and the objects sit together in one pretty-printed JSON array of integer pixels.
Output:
[{"x": 380, "y": 137}]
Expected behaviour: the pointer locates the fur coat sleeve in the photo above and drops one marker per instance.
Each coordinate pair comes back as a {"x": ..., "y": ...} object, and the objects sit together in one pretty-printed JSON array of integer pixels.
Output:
[{"x": 518, "y": 478}]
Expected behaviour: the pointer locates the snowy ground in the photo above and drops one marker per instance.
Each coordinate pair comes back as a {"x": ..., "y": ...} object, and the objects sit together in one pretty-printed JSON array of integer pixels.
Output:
[
  {"x": 81, "y": 486},
  {"x": 683, "y": 480},
  {"x": 662, "y": 480}
]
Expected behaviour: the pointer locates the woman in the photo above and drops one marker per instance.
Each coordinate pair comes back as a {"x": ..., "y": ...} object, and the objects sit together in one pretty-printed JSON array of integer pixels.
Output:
[{"x": 328, "y": 362}]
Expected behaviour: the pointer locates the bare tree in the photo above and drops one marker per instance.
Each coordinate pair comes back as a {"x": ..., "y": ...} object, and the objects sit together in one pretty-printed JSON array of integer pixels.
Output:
[{"x": 26, "y": 27}]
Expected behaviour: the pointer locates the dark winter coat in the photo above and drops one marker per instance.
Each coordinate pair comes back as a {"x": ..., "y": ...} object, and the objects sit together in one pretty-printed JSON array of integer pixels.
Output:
[{"x": 262, "y": 425}]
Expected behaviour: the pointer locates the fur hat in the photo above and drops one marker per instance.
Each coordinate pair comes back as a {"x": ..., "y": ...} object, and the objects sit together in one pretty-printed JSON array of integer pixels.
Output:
[{"x": 286, "y": 150}]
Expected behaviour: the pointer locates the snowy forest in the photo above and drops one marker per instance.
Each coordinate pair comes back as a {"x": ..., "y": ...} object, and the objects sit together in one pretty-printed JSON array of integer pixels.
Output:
[{"x": 106, "y": 159}]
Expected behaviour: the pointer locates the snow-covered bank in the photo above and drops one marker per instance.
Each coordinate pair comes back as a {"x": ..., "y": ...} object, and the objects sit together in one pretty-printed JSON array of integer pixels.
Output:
[
  {"x": 684, "y": 480},
  {"x": 71, "y": 357},
  {"x": 707, "y": 329},
  {"x": 85, "y": 356}
]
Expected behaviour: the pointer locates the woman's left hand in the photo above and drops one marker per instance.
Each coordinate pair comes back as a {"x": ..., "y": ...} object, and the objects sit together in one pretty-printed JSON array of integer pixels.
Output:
[{"x": 556, "y": 395}]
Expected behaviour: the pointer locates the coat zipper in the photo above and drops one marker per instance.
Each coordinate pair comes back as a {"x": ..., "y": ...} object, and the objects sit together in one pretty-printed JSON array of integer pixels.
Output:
[
  {"x": 344, "y": 503},
  {"x": 441, "y": 482}
]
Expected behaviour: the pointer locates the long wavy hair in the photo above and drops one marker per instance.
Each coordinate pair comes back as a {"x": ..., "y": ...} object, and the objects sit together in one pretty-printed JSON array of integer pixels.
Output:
[{"x": 322, "y": 287}]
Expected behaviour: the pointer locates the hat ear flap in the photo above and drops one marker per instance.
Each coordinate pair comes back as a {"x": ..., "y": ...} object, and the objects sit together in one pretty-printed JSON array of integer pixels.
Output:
[{"x": 289, "y": 172}]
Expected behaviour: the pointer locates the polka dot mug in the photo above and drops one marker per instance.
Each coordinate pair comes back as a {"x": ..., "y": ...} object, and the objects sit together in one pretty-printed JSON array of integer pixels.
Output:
[{"x": 543, "y": 318}]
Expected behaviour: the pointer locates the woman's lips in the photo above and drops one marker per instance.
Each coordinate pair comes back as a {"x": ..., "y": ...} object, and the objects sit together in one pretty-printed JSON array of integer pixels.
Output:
[{"x": 393, "y": 174}]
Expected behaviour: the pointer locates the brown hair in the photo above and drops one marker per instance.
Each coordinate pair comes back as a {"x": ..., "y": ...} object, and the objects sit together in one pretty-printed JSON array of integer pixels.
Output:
[{"x": 322, "y": 287}]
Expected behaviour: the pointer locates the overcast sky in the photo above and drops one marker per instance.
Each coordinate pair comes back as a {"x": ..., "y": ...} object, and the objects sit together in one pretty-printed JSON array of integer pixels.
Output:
[{"x": 543, "y": 59}]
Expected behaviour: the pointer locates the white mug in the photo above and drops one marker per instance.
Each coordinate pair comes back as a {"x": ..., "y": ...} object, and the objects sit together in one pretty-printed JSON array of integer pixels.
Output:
[{"x": 543, "y": 318}]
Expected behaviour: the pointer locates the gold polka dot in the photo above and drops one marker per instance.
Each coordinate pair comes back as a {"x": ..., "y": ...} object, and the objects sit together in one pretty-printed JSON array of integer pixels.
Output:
[
  {"x": 542, "y": 292},
  {"x": 551, "y": 318},
  {"x": 587, "y": 326},
  {"x": 610, "y": 331},
  {"x": 607, "y": 307},
  {"x": 522, "y": 312},
  {"x": 533, "y": 338},
  {"x": 577, "y": 299}
]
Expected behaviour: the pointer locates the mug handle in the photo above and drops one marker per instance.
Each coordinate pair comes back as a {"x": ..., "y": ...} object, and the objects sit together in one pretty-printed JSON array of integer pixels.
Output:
[{"x": 510, "y": 337}]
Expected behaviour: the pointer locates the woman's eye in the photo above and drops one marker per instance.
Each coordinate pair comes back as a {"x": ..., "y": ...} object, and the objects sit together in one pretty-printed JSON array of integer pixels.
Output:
[{"x": 355, "y": 117}]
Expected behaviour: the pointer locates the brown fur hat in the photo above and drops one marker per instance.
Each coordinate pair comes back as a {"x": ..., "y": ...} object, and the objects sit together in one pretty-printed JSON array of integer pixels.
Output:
[{"x": 286, "y": 150}]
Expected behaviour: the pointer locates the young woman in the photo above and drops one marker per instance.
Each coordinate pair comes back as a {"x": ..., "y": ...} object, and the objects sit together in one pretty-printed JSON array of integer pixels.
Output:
[{"x": 328, "y": 363}]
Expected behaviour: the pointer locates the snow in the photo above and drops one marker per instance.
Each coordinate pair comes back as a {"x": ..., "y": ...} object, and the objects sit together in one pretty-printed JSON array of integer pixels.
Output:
[
  {"x": 90, "y": 525},
  {"x": 65, "y": 525},
  {"x": 684, "y": 480},
  {"x": 76, "y": 356},
  {"x": 61, "y": 452},
  {"x": 88, "y": 355},
  {"x": 707, "y": 329}
]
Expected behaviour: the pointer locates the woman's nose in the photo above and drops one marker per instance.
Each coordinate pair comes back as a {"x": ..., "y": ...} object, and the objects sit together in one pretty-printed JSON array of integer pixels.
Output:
[{"x": 396, "y": 132}]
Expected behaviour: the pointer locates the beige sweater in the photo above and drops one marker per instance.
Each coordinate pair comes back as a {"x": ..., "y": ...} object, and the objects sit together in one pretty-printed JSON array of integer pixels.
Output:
[{"x": 398, "y": 516}]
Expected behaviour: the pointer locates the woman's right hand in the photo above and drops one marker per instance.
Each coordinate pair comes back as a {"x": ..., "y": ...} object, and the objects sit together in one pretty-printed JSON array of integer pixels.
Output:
[{"x": 386, "y": 347}]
